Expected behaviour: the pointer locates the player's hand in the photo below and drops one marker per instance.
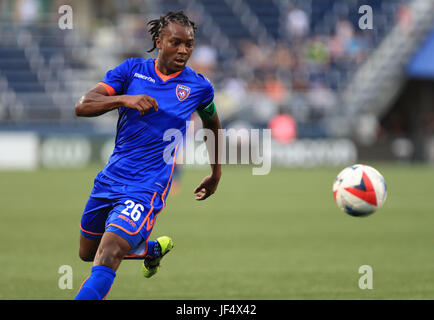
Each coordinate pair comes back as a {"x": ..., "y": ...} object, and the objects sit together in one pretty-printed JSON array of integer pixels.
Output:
[
  {"x": 141, "y": 102},
  {"x": 206, "y": 188}
]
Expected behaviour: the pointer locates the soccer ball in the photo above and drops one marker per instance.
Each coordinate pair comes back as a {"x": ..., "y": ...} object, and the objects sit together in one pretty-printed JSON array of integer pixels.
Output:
[{"x": 359, "y": 190}]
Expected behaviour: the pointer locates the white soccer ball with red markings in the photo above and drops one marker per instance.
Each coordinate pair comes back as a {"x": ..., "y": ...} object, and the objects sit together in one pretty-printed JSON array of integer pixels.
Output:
[{"x": 359, "y": 190}]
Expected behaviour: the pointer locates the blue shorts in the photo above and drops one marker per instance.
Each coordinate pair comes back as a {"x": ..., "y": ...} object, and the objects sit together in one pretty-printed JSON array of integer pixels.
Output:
[{"x": 125, "y": 210}]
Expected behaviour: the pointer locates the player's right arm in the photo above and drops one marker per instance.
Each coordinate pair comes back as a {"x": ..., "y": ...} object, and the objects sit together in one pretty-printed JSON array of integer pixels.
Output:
[{"x": 98, "y": 101}]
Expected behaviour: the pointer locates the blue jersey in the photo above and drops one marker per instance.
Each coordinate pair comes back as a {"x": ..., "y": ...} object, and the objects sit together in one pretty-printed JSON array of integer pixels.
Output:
[{"x": 140, "y": 154}]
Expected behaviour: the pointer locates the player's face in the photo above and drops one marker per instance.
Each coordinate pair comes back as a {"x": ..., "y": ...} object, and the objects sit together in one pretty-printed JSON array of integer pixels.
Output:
[{"x": 175, "y": 47}]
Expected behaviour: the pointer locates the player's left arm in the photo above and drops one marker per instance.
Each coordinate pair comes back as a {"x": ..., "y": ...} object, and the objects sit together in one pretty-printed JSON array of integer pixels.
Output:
[{"x": 211, "y": 121}]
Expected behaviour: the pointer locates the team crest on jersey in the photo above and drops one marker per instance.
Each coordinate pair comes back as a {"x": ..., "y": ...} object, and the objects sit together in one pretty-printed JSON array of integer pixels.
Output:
[{"x": 182, "y": 92}]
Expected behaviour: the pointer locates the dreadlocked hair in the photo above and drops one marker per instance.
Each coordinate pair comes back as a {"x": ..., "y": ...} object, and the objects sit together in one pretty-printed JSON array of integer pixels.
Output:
[{"x": 156, "y": 25}]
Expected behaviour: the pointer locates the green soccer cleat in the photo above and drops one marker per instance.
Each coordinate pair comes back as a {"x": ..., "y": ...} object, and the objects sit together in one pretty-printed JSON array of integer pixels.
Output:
[{"x": 151, "y": 266}]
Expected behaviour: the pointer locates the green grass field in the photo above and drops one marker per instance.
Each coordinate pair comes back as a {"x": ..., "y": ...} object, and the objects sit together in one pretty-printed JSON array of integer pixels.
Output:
[{"x": 278, "y": 236}]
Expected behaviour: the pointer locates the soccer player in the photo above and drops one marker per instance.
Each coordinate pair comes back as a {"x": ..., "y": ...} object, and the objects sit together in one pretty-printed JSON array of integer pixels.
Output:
[{"x": 152, "y": 97}]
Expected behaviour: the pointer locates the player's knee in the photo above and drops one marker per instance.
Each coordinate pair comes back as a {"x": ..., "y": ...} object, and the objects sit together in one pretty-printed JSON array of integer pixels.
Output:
[{"x": 110, "y": 256}]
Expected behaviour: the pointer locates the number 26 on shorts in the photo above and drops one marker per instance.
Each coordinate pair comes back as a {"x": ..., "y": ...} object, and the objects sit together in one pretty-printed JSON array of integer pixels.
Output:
[{"x": 133, "y": 210}]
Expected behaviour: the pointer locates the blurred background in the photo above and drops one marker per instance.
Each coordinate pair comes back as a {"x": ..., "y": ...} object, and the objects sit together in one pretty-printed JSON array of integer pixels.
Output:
[
  {"x": 334, "y": 88},
  {"x": 304, "y": 68}
]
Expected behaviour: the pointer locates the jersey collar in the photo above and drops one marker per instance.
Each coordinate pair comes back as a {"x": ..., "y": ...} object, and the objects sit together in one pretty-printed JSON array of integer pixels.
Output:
[{"x": 165, "y": 77}]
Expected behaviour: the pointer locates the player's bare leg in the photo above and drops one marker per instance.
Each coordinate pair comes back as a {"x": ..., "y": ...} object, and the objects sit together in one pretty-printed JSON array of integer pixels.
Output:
[
  {"x": 88, "y": 248},
  {"x": 111, "y": 251},
  {"x": 109, "y": 256}
]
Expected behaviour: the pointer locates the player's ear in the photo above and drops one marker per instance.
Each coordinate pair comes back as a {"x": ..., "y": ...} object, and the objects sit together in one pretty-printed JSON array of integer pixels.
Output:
[{"x": 158, "y": 43}]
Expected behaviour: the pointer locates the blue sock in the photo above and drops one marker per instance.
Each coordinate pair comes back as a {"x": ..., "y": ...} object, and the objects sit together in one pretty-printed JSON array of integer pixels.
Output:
[
  {"x": 98, "y": 285},
  {"x": 154, "y": 249}
]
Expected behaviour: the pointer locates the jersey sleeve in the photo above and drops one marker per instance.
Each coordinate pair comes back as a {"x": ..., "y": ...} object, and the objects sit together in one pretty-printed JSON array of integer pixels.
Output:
[
  {"x": 115, "y": 80},
  {"x": 207, "y": 96}
]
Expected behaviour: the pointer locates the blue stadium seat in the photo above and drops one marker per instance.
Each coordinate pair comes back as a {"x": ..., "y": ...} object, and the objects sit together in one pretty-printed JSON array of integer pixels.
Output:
[
  {"x": 268, "y": 14},
  {"x": 226, "y": 19}
]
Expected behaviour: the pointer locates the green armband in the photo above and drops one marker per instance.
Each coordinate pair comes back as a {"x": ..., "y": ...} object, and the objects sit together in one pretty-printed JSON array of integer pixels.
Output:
[{"x": 208, "y": 112}]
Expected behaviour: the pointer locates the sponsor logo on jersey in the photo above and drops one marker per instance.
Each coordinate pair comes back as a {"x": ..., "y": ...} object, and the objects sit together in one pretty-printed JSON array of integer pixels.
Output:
[
  {"x": 182, "y": 92},
  {"x": 141, "y": 76}
]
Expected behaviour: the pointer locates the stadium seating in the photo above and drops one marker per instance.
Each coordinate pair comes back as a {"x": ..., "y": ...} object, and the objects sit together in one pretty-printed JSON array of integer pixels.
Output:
[{"x": 45, "y": 76}]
